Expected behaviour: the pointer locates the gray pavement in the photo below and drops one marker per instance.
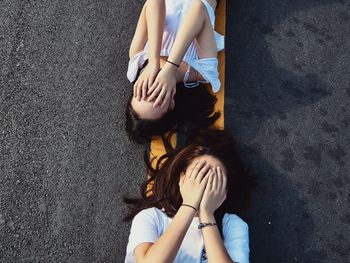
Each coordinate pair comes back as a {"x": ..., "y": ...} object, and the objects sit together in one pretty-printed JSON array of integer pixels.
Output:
[{"x": 65, "y": 161}]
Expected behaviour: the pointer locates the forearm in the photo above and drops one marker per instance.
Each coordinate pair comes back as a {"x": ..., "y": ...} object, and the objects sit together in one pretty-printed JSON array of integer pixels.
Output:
[
  {"x": 214, "y": 245},
  {"x": 167, "y": 246},
  {"x": 155, "y": 17},
  {"x": 189, "y": 29}
]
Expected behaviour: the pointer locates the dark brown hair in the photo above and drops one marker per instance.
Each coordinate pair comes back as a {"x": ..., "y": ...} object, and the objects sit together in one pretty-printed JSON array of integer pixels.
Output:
[
  {"x": 164, "y": 179},
  {"x": 193, "y": 107}
]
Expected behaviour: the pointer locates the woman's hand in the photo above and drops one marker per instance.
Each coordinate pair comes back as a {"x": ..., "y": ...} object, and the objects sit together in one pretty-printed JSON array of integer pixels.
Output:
[
  {"x": 214, "y": 194},
  {"x": 146, "y": 79},
  {"x": 192, "y": 183},
  {"x": 164, "y": 87},
  {"x": 213, "y": 197}
]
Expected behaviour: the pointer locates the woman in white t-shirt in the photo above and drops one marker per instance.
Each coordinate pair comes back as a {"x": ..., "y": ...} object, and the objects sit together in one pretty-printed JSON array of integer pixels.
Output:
[
  {"x": 174, "y": 47},
  {"x": 174, "y": 220}
]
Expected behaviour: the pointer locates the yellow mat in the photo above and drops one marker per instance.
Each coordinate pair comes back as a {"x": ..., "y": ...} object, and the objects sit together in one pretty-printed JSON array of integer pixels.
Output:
[{"x": 157, "y": 147}]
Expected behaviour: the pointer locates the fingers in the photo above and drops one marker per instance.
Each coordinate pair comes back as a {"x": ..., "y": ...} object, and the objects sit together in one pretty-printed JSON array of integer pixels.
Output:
[
  {"x": 172, "y": 104},
  {"x": 152, "y": 79},
  {"x": 153, "y": 87},
  {"x": 134, "y": 90},
  {"x": 209, "y": 179},
  {"x": 138, "y": 87},
  {"x": 150, "y": 83},
  {"x": 214, "y": 184},
  {"x": 145, "y": 84},
  {"x": 196, "y": 169},
  {"x": 220, "y": 178},
  {"x": 224, "y": 180},
  {"x": 166, "y": 99},
  {"x": 155, "y": 92},
  {"x": 144, "y": 89},
  {"x": 202, "y": 172},
  {"x": 172, "y": 98},
  {"x": 160, "y": 97},
  {"x": 205, "y": 182}
]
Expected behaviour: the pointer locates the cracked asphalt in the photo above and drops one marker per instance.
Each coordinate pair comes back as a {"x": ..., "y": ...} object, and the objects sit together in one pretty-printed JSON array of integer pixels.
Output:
[{"x": 65, "y": 161}]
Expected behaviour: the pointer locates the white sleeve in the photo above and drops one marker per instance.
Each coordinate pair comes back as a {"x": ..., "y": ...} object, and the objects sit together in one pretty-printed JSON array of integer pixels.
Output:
[
  {"x": 135, "y": 63},
  {"x": 236, "y": 238},
  {"x": 144, "y": 228}
]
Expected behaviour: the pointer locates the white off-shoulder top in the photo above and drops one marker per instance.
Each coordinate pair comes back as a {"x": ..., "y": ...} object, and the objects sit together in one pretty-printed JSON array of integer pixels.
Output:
[{"x": 207, "y": 67}]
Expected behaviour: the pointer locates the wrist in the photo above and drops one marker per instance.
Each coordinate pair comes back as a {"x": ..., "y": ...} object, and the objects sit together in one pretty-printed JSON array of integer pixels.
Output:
[
  {"x": 174, "y": 60},
  {"x": 170, "y": 68},
  {"x": 189, "y": 209},
  {"x": 206, "y": 216},
  {"x": 192, "y": 204},
  {"x": 153, "y": 61}
]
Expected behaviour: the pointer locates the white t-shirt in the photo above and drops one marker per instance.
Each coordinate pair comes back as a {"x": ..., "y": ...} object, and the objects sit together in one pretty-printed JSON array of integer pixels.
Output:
[{"x": 149, "y": 224}]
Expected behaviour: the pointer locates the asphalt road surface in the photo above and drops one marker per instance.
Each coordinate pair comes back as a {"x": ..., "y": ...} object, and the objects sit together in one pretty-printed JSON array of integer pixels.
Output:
[{"x": 65, "y": 161}]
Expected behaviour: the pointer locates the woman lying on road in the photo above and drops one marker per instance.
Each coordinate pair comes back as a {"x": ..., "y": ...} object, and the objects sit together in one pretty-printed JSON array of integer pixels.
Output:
[
  {"x": 174, "y": 46},
  {"x": 189, "y": 213}
]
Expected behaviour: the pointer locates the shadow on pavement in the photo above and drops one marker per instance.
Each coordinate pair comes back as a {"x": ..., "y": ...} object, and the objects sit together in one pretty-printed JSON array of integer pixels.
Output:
[{"x": 287, "y": 103}]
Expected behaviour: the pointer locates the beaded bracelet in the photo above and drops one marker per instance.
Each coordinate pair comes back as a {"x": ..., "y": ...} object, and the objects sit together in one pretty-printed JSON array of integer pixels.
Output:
[{"x": 202, "y": 225}]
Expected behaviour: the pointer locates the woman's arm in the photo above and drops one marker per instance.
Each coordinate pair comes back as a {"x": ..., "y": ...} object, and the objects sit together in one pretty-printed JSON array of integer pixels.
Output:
[
  {"x": 167, "y": 246},
  {"x": 163, "y": 86},
  {"x": 150, "y": 26},
  {"x": 214, "y": 245},
  {"x": 213, "y": 197},
  {"x": 154, "y": 18},
  {"x": 165, "y": 249},
  {"x": 191, "y": 26}
]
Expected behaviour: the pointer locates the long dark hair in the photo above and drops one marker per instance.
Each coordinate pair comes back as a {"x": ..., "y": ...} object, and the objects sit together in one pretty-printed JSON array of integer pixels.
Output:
[
  {"x": 164, "y": 179},
  {"x": 194, "y": 107}
]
